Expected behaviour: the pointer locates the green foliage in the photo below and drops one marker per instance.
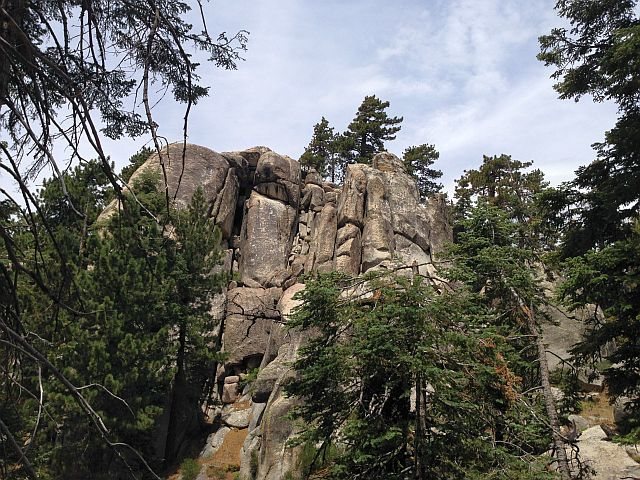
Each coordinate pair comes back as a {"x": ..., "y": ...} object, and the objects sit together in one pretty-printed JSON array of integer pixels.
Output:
[
  {"x": 320, "y": 154},
  {"x": 510, "y": 186},
  {"x": 135, "y": 37},
  {"x": 135, "y": 315},
  {"x": 609, "y": 278},
  {"x": 417, "y": 161},
  {"x": 368, "y": 354},
  {"x": 566, "y": 379},
  {"x": 370, "y": 128},
  {"x": 135, "y": 161},
  {"x": 598, "y": 210},
  {"x": 70, "y": 72},
  {"x": 597, "y": 56},
  {"x": 189, "y": 469}
]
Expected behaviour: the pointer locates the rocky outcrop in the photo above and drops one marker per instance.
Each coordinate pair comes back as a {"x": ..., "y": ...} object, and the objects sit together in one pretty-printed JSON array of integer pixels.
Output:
[
  {"x": 610, "y": 461},
  {"x": 277, "y": 227}
]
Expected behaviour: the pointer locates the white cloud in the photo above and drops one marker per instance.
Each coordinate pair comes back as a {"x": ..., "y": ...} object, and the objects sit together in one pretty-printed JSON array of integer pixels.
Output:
[{"x": 463, "y": 74}]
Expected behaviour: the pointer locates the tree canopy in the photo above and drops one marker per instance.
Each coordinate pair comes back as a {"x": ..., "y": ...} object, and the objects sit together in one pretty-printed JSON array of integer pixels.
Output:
[
  {"x": 321, "y": 151},
  {"x": 417, "y": 161},
  {"x": 370, "y": 128},
  {"x": 598, "y": 211},
  {"x": 418, "y": 389},
  {"x": 71, "y": 74},
  {"x": 597, "y": 56}
]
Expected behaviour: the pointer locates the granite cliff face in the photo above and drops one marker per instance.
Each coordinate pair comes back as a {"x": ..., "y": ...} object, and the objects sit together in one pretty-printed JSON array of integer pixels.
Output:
[{"x": 277, "y": 226}]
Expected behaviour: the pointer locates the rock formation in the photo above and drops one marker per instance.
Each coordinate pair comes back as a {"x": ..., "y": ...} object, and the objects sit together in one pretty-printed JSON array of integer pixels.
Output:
[{"x": 276, "y": 227}]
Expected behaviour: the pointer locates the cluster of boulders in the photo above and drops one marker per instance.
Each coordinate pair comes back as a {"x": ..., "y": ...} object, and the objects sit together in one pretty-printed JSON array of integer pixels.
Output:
[{"x": 276, "y": 227}]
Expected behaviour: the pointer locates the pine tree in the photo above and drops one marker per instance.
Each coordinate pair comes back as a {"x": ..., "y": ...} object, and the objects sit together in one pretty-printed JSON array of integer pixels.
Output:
[
  {"x": 132, "y": 336},
  {"x": 135, "y": 161},
  {"x": 496, "y": 263},
  {"x": 598, "y": 212},
  {"x": 417, "y": 161},
  {"x": 597, "y": 56},
  {"x": 320, "y": 153},
  {"x": 510, "y": 185},
  {"x": 371, "y": 127},
  {"x": 372, "y": 355}
]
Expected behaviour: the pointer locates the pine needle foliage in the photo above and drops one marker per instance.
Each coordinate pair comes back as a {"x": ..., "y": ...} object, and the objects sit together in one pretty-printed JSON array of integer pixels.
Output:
[{"x": 419, "y": 386}]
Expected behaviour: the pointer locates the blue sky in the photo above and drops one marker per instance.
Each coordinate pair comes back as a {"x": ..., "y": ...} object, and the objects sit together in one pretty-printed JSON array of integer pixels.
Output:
[{"x": 463, "y": 73}]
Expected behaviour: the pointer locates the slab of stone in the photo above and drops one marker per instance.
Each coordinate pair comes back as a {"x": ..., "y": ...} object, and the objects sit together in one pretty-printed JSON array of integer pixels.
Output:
[
  {"x": 214, "y": 441},
  {"x": 237, "y": 418}
]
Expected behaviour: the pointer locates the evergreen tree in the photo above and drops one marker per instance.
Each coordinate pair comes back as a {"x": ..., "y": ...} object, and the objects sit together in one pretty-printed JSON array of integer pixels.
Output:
[
  {"x": 417, "y": 161},
  {"x": 372, "y": 355},
  {"x": 320, "y": 153},
  {"x": 371, "y": 127},
  {"x": 597, "y": 57},
  {"x": 496, "y": 263},
  {"x": 509, "y": 185},
  {"x": 610, "y": 279},
  {"x": 599, "y": 210},
  {"x": 68, "y": 72},
  {"x": 135, "y": 161},
  {"x": 131, "y": 336}
]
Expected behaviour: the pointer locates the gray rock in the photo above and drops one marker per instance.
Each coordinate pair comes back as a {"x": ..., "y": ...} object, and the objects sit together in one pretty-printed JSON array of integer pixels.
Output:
[
  {"x": 268, "y": 378},
  {"x": 324, "y": 239},
  {"x": 237, "y": 418},
  {"x": 345, "y": 233},
  {"x": 282, "y": 174},
  {"x": 316, "y": 196},
  {"x": 378, "y": 243},
  {"x": 257, "y": 409},
  {"x": 313, "y": 177},
  {"x": 609, "y": 459},
  {"x": 249, "y": 456},
  {"x": 408, "y": 253},
  {"x": 387, "y": 162},
  {"x": 187, "y": 168},
  {"x": 278, "y": 278},
  {"x": 287, "y": 302},
  {"x": 232, "y": 379},
  {"x": 352, "y": 198},
  {"x": 224, "y": 206},
  {"x": 620, "y": 412},
  {"x": 214, "y": 441},
  {"x": 251, "y": 325},
  {"x": 266, "y": 239},
  {"x": 581, "y": 423},
  {"x": 439, "y": 220},
  {"x": 229, "y": 393},
  {"x": 277, "y": 458},
  {"x": 349, "y": 256}
]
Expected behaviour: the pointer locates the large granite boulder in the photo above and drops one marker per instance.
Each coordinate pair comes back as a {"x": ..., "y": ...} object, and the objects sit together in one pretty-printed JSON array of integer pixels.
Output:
[
  {"x": 252, "y": 328},
  {"x": 278, "y": 177},
  {"x": 275, "y": 227},
  {"x": 266, "y": 237},
  {"x": 184, "y": 169},
  {"x": 352, "y": 198}
]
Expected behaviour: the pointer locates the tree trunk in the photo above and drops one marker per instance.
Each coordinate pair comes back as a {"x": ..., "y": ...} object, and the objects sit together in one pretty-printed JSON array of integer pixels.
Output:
[
  {"x": 178, "y": 399},
  {"x": 549, "y": 402}
]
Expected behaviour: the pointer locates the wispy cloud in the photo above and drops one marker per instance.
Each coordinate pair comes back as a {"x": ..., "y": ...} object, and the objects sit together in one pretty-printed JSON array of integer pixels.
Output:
[{"x": 463, "y": 73}]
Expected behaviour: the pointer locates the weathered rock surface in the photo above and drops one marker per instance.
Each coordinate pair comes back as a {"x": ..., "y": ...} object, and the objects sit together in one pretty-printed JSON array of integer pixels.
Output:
[
  {"x": 275, "y": 228},
  {"x": 251, "y": 327},
  {"x": 214, "y": 441},
  {"x": 610, "y": 460},
  {"x": 266, "y": 237},
  {"x": 188, "y": 167}
]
